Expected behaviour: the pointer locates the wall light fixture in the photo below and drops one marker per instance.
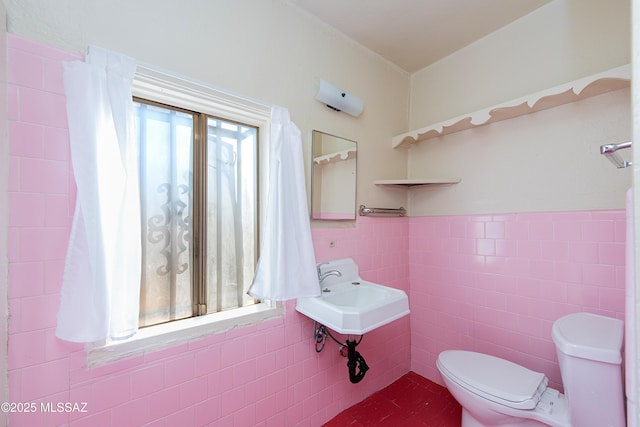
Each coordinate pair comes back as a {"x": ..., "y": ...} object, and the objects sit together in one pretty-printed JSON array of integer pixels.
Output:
[{"x": 338, "y": 99}]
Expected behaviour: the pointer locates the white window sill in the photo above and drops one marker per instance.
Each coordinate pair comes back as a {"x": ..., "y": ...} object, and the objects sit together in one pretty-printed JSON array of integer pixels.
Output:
[{"x": 174, "y": 333}]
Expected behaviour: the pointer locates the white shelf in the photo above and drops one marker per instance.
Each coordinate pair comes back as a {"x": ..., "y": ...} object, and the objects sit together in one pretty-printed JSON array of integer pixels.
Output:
[
  {"x": 414, "y": 182},
  {"x": 607, "y": 81}
]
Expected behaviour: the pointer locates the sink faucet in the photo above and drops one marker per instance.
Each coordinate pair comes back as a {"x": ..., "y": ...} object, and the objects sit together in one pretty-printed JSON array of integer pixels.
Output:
[
  {"x": 329, "y": 273},
  {"x": 322, "y": 276}
]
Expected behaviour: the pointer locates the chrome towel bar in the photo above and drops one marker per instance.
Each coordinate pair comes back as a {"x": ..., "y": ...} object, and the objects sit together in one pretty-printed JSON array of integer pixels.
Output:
[
  {"x": 609, "y": 151},
  {"x": 365, "y": 211}
]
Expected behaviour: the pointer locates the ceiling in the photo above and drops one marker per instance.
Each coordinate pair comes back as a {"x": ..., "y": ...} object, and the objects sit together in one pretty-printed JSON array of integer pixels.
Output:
[{"x": 416, "y": 33}]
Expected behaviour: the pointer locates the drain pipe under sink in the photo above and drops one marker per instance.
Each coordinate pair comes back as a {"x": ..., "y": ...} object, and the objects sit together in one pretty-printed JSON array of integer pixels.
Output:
[
  {"x": 356, "y": 363},
  {"x": 355, "y": 359}
]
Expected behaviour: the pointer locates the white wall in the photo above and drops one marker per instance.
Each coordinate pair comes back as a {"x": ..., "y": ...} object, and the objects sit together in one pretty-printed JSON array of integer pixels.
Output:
[
  {"x": 548, "y": 161},
  {"x": 266, "y": 50},
  {"x": 557, "y": 43}
]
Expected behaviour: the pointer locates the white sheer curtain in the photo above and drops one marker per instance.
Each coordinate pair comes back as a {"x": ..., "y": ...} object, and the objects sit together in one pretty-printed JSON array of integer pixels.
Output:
[
  {"x": 101, "y": 284},
  {"x": 286, "y": 268}
]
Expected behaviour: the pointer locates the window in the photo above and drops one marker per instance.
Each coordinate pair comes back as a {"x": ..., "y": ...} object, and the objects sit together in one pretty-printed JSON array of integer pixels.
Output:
[
  {"x": 201, "y": 194},
  {"x": 198, "y": 194}
]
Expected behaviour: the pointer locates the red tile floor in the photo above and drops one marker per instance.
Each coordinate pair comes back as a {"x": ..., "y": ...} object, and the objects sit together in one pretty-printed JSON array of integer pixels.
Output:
[{"x": 410, "y": 401}]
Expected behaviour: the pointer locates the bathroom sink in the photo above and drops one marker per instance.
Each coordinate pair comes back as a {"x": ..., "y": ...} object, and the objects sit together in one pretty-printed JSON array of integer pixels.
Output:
[
  {"x": 357, "y": 294},
  {"x": 350, "y": 305}
]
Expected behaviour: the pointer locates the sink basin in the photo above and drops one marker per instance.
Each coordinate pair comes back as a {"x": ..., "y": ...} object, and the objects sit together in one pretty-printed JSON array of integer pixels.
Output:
[
  {"x": 355, "y": 295},
  {"x": 350, "y": 305}
]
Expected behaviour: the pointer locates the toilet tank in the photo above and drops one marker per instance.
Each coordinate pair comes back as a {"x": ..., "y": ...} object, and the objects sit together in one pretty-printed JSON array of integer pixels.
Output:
[{"x": 589, "y": 349}]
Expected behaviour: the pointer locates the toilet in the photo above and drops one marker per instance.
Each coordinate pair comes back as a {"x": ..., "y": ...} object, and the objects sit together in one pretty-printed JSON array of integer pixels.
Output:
[{"x": 496, "y": 392}]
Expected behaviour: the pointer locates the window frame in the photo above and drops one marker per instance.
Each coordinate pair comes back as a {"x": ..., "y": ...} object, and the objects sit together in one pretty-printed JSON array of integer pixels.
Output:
[
  {"x": 170, "y": 89},
  {"x": 199, "y": 274}
]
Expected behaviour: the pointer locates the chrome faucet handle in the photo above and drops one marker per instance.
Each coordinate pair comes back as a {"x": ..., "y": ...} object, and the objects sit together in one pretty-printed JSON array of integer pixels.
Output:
[{"x": 320, "y": 264}]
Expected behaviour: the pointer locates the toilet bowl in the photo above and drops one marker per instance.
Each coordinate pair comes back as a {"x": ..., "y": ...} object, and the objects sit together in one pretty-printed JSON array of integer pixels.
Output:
[{"x": 496, "y": 392}]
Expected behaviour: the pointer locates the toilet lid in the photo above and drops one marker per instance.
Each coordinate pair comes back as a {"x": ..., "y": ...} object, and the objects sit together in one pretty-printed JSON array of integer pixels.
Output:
[{"x": 493, "y": 378}]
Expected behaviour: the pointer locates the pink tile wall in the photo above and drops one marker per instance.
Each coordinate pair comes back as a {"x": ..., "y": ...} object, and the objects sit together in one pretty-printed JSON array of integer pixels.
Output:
[
  {"x": 496, "y": 283},
  {"x": 264, "y": 375}
]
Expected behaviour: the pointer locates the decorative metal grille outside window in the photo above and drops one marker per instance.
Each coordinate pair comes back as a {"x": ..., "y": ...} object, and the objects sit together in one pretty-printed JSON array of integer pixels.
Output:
[{"x": 199, "y": 192}]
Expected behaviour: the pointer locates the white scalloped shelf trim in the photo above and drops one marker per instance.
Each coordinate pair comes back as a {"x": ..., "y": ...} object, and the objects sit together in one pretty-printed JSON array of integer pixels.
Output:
[
  {"x": 417, "y": 181},
  {"x": 335, "y": 157},
  {"x": 607, "y": 81}
]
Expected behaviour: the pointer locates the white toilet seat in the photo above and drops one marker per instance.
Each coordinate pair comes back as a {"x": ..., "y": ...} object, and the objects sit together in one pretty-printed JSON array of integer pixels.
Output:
[
  {"x": 494, "y": 379},
  {"x": 496, "y": 392}
]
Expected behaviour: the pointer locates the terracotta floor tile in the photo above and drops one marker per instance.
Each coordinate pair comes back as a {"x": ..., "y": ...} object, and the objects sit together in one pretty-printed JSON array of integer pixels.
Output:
[{"x": 411, "y": 401}]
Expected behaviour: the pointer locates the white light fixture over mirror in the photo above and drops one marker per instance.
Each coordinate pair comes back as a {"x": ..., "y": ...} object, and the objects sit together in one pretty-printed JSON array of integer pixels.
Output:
[{"x": 338, "y": 99}]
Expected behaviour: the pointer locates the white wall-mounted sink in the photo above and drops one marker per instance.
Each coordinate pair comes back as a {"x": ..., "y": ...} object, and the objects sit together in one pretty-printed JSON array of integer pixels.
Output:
[{"x": 350, "y": 305}]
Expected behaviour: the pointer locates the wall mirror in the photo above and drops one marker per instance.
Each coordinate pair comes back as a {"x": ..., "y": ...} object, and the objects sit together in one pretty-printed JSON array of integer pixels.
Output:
[{"x": 333, "y": 177}]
